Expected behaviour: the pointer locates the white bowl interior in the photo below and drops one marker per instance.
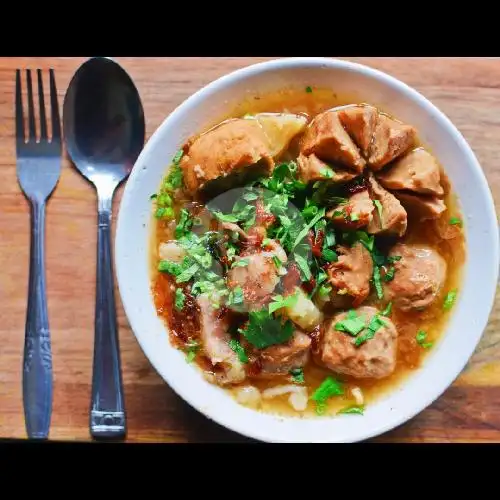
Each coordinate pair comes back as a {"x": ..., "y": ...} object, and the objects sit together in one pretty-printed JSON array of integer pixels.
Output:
[{"x": 476, "y": 293}]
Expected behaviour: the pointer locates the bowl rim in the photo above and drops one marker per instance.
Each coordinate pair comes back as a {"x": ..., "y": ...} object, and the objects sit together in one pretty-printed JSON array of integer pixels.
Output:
[{"x": 424, "y": 400}]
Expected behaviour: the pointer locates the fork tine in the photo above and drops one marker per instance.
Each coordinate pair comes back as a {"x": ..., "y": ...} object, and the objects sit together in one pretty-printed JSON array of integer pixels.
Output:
[
  {"x": 54, "y": 105},
  {"x": 31, "y": 108},
  {"x": 19, "y": 108},
  {"x": 41, "y": 101}
]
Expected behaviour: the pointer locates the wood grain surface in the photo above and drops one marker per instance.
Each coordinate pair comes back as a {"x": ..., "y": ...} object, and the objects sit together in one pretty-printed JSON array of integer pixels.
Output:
[{"x": 467, "y": 90}]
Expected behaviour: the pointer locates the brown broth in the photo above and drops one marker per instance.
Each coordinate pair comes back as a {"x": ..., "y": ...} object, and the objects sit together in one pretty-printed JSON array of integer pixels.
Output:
[{"x": 448, "y": 240}]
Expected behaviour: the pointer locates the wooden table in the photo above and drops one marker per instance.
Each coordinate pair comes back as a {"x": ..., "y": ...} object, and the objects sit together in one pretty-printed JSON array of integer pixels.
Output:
[{"x": 467, "y": 90}]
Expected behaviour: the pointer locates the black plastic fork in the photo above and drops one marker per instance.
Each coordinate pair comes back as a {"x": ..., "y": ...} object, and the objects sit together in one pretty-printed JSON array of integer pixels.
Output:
[{"x": 38, "y": 170}]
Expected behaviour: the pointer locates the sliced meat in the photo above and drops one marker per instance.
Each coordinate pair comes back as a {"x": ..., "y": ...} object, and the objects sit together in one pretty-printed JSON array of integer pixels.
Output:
[
  {"x": 258, "y": 276},
  {"x": 355, "y": 213},
  {"x": 359, "y": 122},
  {"x": 390, "y": 217},
  {"x": 419, "y": 277},
  {"x": 280, "y": 359},
  {"x": 375, "y": 358},
  {"x": 225, "y": 156},
  {"x": 417, "y": 171},
  {"x": 215, "y": 343},
  {"x": 326, "y": 138},
  {"x": 421, "y": 207},
  {"x": 312, "y": 169},
  {"x": 390, "y": 140},
  {"x": 350, "y": 275}
]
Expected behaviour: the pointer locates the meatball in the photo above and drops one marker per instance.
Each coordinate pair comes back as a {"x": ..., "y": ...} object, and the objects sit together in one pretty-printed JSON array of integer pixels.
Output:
[
  {"x": 258, "y": 276},
  {"x": 375, "y": 357},
  {"x": 226, "y": 156},
  {"x": 280, "y": 359},
  {"x": 419, "y": 276}
]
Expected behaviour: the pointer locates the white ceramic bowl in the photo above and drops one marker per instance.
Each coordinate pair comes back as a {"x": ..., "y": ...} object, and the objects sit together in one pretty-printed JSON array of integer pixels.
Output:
[{"x": 475, "y": 297}]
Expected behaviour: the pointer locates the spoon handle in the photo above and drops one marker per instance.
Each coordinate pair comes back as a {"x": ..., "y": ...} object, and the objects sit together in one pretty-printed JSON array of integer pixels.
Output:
[{"x": 107, "y": 416}]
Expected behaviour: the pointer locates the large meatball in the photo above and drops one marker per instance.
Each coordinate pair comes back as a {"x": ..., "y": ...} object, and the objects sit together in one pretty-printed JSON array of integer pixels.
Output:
[
  {"x": 419, "y": 276},
  {"x": 373, "y": 358}
]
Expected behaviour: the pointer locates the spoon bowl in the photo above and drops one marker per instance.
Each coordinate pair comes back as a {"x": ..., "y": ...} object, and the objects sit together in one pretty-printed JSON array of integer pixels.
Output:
[
  {"x": 104, "y": 130},
  {"x": 104, "y": 124}
]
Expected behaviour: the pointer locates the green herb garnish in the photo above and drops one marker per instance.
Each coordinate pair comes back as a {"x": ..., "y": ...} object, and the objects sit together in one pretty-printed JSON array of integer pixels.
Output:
[
  {"x": 328, "y": 388},
  {"x": 231, "y": 250},
  {"x": 277, "y": 261},
  {"x": 177, "y": 157},
  {"x": 330, "y": 239},
  {"x": 389, "y": 275},
  {"x": 387, "y": 311},
  {"x": 363, "y": 237},
  {"x": 378, "y": 205},
  {"x": 309, "y": 89},
  {"x": 188, "y": 273},
  {"x": 449, "y": 300},
  {"x": 324, "y": 290},
  {"x": 250, "y": 196},
  {"x": 377, "y": 282},
  {"x": 353, "y": 410},
  {"x": 184, "y": 225},
  {"x": 235, "y": 345},
  {"x": 305, "y": 230},
  {"x": 393, "y": 258},
  {"x": 329, "y": 255},
  {"x": 240, "y": 263},
  {"x": 337, "y": 200},
  {"x": 375, "y": 324},
  {"x": 263, "y": 330},
  {"x": 279, "y": 302},
  {"x": 352, "y": 324},
  {"x": 297, "y": 375},
  {"x": 179, "y": 299},
  {"x": 167, "y": 266},
  {"x": 172, "y": 182},
  {"x": 310, "y": 211},
  {"x": 327, "y": 172},
  {"x": 225, "y": 217},
  {"x": 164, "y": 199},
  {"x": 321, "y": 276},
  {"x": 191, "y": 348},
  {"x": 235, "y": 296},
  {"x": 455, "y": 221},
  {"x": 164, "y": 213},
  {"x": 303, "y": 266},
  {"x": 421, "y": 337},
  {"x": 174, "y": 178}
]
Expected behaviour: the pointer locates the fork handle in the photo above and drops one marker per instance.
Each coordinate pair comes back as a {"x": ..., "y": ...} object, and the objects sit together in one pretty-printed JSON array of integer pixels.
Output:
[
  {"x": 37, "y": 363},
  {"x": 107, "y": 417}
]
